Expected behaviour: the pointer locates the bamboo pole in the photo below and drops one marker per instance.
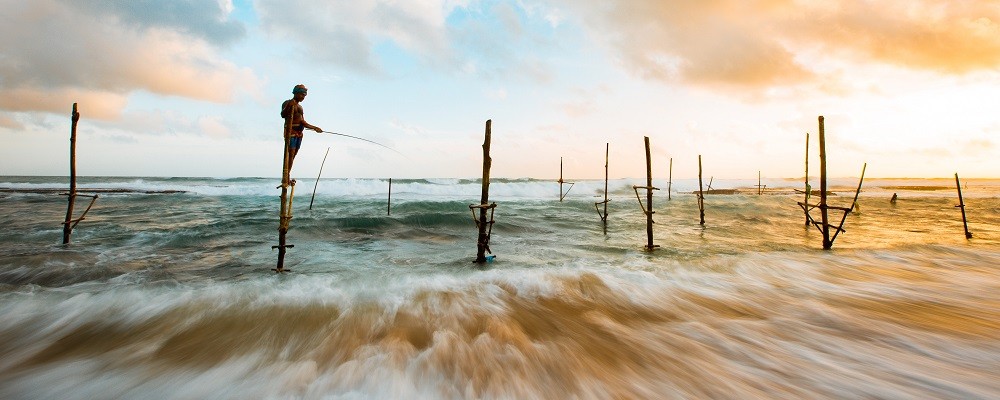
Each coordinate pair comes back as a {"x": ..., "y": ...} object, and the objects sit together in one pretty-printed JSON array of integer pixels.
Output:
[
  {"x": 67, "y": 227},
  {"x": 649, "y": 198},
  {"x": 701, "y": 196},
  {"x": 670, "y": 178},
  {"x": 961, "y": 205},
  {"x": 485, "y": 227},
  {"x": 827, "y": 243},
  {"x": 388, "y": 201}
]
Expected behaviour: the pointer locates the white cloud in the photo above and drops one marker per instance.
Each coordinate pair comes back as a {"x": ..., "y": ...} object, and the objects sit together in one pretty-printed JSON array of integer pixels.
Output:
[
  {"x": 345, "y": 33},
  {"x": 55, "y": 54}
]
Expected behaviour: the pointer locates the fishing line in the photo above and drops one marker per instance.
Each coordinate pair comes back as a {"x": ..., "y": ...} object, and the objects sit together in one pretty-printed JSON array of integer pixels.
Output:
[{"x": 369, "y": 141}]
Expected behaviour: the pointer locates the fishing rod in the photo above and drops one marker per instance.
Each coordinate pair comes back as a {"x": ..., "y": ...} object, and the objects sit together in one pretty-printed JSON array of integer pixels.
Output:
[{"x": 369, "y": 141}]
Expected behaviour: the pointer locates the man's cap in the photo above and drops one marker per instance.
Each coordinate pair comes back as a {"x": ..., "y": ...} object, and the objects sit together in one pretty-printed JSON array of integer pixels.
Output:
[{"x": 299, "y": 89}]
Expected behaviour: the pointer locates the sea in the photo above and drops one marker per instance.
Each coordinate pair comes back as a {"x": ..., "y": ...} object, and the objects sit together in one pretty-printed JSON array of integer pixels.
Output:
[{"x": 166, "y": 291}]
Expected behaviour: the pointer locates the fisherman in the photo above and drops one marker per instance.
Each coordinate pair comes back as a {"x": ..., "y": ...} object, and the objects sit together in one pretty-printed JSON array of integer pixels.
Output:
[{"x": 293, "y": 108}]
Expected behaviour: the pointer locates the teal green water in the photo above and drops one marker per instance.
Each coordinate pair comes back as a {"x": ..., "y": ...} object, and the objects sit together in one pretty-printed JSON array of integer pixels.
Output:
[{"x": 166, "y": 294}]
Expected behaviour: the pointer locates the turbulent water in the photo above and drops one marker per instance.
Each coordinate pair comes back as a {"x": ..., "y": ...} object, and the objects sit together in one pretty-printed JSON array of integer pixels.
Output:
[{"x": 166, "y": 292}]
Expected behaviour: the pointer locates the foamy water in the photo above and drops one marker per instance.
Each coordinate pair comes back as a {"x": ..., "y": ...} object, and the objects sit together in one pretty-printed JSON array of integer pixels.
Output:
[{"x": 170, "y": 295}]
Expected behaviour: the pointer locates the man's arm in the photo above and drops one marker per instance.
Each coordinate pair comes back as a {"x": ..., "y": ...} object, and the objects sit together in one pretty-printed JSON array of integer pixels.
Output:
[{"x": 311, "y": 126}]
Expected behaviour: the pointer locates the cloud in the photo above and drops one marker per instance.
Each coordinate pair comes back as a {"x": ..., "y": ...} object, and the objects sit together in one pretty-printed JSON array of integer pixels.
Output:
[
  {"x": 345, "y": 33},
  {"x": 203, "y": 19},
  {"x": 762, "y": 43},
  {"x": 57, "y": 53},
  {"x": 214, "y": 127},
  {"x": 489, "y": 40},
  {"x": 7, "y": 121},
  {"x": 951, "y": 37}
]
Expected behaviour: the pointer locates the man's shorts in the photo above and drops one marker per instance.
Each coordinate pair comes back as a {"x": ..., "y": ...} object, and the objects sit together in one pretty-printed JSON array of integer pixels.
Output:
[{"x": 295, "y": 142}]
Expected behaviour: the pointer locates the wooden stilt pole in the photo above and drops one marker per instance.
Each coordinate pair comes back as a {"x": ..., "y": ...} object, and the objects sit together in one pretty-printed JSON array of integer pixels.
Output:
[
  {"x": 649, "y": 199},
  {"x": 563, "y": 195},
  {"x": 670, "y": 178},
  {"x": 285, "y": 211},
  {"x": 760, "y": 187},
  {"x": 701, "y": 196},
  {"x": 824, "y": 224},
  {"x": 604, "y": 215},
  {"x": 317, "y": 178},
  {"x": 67, "y": 226},
  {"x": 807, "y": 188},
  {"x": 854, "y": 205},
  {"x": 485, "y": 226},
  {"x": 648, "y": 208},
  {"x": 827, "y": 243},
  {"x": 961, "y": 205},
  {"x": 560, "y": 179},
  {"x": 388, "y": 201}
]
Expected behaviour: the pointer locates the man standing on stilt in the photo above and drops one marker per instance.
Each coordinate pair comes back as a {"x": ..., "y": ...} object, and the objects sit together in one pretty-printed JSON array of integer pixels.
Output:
[{"x": 293, "y": 107}]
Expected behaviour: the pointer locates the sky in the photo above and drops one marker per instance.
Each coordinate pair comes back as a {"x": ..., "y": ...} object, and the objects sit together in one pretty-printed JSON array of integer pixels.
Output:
[{"x": 194, "y": 87}]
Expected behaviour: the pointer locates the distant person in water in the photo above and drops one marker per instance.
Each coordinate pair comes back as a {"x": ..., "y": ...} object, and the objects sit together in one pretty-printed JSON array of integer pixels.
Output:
[{"x": 293, "y": 108}]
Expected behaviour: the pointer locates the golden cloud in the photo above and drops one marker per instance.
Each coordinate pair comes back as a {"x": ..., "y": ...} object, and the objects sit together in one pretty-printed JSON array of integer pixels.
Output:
[
  {"x": 759, "y": 43},
  {"x": 55, "y": 56}
]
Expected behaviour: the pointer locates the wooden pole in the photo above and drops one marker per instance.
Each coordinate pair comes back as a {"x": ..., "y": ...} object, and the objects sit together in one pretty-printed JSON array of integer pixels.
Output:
[
  {"x": 67, "y": 227},
  {"x": 317, "y": 178},
  {"x": 649, "y": 198},
  {"x": 854, "y": 205},
  {"x": 670, "y": 179},
  {"x": 827, "y": 243},
  {"x": 560, "y": 179},
  {"x": 285, "y": 210},
  {"x": 604, "y": 215},
  {"x": 388, "y": 202},
  {"x": 607, "y": 148},
  {"x": 701, "y": 196},
  {"x": 760, "y": 189},
  {"x": 482, "y": 245},
  {"x": 808, "y": 189},
  {"x": 961, "y": 205}
]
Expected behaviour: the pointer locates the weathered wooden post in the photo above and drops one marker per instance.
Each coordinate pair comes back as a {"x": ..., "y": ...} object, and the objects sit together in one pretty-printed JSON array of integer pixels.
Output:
[
  {"x": 760, "y": 187},
  {"x": 561, "y": 181},
  {"x": 71, "y": 223},
  {"x": 827, "y": 243},
  {"x": 318, "y": 175},
  {"x": 285, "y": 211},
  {"x": 388, "y": 201},
  {"x": 808, "y": 189},
  {"x": 961, "y": 205},
  {"x": 701, "y": 195},
  {"x": 824, "y": 224},
  {"x": 604, "y": 215},
  {"x": 67, "y": 227},
  {"x": 670, "y": 178},
  {"x": 648, "y": 208},
  {"x": 485, "y": 226},
  {"x": 847, "y": 210}
]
